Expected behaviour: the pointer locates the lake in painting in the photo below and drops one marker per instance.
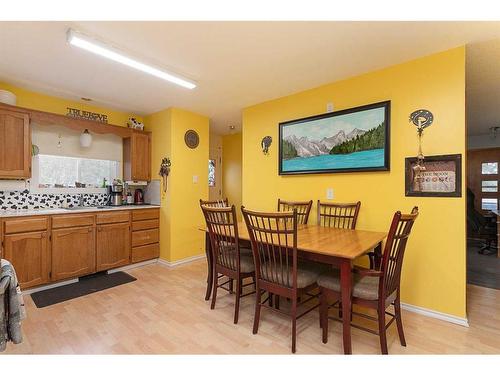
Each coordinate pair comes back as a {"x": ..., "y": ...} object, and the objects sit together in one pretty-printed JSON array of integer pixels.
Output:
[{"x": 345, "y": 140}]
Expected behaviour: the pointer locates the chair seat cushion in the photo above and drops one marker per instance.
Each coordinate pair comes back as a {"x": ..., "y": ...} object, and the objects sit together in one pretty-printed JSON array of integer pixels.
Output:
[
  {"x": 363, "y": 287},
  {"x": 246, "y": 262},
  {"x": 306, "y": 275}
]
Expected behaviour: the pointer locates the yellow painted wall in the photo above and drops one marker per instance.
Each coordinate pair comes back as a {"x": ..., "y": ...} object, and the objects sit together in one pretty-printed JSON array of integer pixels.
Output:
[
  {"x": 231, "y": 169},
  {"x": 434, "y": 274},
  {"x": 42, "y": 102},
  {"x": 180, "y": 211}
]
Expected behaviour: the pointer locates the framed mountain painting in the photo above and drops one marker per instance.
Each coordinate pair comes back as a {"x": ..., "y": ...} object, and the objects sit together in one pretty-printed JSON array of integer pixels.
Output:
[{"x": 351, "y": 140}]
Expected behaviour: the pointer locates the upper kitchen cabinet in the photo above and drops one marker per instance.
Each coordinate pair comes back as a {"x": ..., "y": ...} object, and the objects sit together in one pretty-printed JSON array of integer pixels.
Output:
[
  {"x": 15, "y": 145},
  {"x": 137, "y": 156}
]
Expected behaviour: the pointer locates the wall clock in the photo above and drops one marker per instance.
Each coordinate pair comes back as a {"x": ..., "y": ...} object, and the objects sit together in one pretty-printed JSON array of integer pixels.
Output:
[{"x": 191, "y": 138}]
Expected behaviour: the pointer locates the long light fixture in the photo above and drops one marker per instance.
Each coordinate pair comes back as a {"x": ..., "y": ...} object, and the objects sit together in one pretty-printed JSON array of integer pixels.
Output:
[{"x": 84, "y": 42}]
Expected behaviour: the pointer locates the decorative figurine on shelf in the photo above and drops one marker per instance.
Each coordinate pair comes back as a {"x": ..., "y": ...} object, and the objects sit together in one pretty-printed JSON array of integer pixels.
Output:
[
  {"x": 421, "y": 118},
  {"x": 133, "y": 123},
  {"x": 266, "y": 143},
  {"x": 164, "y": 171}
]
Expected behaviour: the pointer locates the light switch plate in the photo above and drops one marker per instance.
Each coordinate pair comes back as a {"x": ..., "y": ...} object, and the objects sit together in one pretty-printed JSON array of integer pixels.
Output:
[
  {"x": 195, "y": 179},
  {"x": 329, "y": 193},
  {"x": 329, "y": 107}
]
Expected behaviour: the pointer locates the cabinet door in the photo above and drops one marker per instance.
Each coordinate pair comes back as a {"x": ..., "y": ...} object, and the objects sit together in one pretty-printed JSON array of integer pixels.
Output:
[
  {"x": 15, "y": 145},
  {"x": 141, "y": 155},
  {"x": 73, "y": 252},
  {"x": 29, "y": 254},
  {"x": 113, "y": 246}
]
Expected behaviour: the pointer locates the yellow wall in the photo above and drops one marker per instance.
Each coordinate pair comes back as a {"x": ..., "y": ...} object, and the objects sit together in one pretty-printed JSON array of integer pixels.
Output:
[
  {"x": 42, "y": 102},
  {"x": 180, "y": 212},
  {"x": 434, "y": 271},
  {"x": 231, "y": 169}
]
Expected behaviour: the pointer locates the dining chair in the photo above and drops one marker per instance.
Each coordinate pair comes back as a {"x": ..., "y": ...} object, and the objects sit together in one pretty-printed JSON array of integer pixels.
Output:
[
  {"x": 227, "y": 259},
  {"x": 374, "y": 288},
  {"x": 303, "y": 209},
  {"x": 277, "y": 269},
  {"x": 338, "y": 215}
]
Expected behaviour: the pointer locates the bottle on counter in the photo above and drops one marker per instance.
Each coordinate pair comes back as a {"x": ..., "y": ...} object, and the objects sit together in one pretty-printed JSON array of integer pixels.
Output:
[{"x": 130, "y": 198}]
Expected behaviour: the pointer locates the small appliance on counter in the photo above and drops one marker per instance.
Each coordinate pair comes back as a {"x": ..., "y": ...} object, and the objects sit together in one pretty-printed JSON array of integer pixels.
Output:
[
  {"x": 115, "y": 192},
  {"x": 138, "y": 196}
]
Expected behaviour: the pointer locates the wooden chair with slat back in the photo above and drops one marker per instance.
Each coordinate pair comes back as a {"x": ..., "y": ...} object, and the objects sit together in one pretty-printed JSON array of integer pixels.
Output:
[
  {"x": 303, "y": 209},
  {"x": 227, "y": 259},
  {"x": 277, "y": 270},
  {"x": 374, "y": 288},
  {"x": 338, "y": 215}
]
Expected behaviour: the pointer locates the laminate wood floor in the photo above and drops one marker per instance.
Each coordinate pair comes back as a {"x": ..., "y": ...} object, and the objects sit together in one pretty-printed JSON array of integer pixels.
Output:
[{"x": 164, "y": 312}]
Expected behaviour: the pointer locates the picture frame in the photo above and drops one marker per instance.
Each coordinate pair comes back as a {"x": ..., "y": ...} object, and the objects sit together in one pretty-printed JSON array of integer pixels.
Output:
[
  {"x": 351, "y": 140},
  {"x": 442, "y": 176}
]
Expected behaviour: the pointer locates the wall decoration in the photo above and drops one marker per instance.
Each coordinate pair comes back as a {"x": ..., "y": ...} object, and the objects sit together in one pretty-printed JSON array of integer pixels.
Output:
[
  {"x": 191, "y": 138},
  {"x": 165, "y": 171},
  {"x": 266, "y": 143},
  {"x": 86, "y": 115},
  {"x": 133, "y": 123},
  {"x": 421, "y": 118},
  {"x": 351, "y": 140},
  {"x": 442, "y": 176}
]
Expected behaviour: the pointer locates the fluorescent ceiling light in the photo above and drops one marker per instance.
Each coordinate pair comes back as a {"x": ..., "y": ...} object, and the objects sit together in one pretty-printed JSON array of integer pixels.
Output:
[{"x": 100, "y": 49}]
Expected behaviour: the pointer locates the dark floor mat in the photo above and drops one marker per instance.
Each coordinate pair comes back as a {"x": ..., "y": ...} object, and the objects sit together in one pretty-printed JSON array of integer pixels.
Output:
[{"x": 85, "y": 285}]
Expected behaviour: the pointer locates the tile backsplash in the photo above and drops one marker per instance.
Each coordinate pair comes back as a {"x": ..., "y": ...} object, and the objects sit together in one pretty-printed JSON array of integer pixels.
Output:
[{"x": 23, "y": 200}]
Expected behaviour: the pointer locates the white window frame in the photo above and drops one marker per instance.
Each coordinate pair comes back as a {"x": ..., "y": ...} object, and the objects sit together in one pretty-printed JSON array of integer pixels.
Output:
[{"x": 36, "y": 189}]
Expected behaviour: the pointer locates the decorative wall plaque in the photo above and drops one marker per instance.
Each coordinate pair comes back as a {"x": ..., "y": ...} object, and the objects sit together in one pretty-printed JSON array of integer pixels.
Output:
[
  {"x": 191, "y": 138},
  {"x": 266, "y": 143},
  {"x": 86, "y": 115}
]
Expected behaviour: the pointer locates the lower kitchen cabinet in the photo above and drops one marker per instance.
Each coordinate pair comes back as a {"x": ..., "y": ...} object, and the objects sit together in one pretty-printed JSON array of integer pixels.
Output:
[
  {"x": 29, "y": 254},
  {"x": 73, "y": 252},
  {"x": 113, "y": 246}
]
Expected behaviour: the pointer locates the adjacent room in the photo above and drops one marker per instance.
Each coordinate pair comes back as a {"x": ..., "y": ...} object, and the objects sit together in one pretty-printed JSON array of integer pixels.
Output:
[{"x": 249, "y": 187}]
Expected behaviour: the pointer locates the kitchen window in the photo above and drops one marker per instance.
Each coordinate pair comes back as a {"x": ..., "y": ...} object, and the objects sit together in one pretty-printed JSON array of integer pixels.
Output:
[{"x": 63, "y": 172}]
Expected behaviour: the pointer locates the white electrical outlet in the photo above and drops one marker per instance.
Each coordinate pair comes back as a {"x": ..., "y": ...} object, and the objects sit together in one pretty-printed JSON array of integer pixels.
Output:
[
  {"x": 329, "y": 193},
  {"x": 195, "y": 179},
  {"x": 329, "y": 107}
]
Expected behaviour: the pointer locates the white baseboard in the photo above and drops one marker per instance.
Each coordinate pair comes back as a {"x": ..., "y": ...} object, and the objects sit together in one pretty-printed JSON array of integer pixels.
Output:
[
  {"x": 49, "y": 286},
  {"x": 176, "y": 263},
  {"x": 436, "y": 314},
  {"x": 134, "y": 265}
]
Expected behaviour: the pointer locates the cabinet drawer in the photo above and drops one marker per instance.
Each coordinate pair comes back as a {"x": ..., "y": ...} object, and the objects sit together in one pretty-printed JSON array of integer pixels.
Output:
[
  {"x": 145, "y": 224},
  {"x": 145, "y": 237},
  {"x": 112, "y": 217},
  {"x": 68, "y": 221},
  {"x": 30, "y": 224},
  {"x": 146, "y": 252},
  {"x": 150, "y": 213}
]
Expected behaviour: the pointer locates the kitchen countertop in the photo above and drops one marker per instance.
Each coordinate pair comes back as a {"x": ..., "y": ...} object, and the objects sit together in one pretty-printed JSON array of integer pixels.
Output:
[{"x": 58, "y": 211}]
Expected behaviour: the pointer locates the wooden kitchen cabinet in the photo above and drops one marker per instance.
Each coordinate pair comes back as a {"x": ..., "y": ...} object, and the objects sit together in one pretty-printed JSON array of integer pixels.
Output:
[
  {"x": 73, "y": 252},
  {"x": 15, "y": 145},
  {"x": 29, "y": 254},
  {"x": 113, "y": 246},
  {"x": 137, "y": 156}
]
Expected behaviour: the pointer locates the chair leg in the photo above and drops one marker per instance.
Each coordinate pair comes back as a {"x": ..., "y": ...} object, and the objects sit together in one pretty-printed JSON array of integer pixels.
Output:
[
  {"x": 381, "y": 330},
  {"x": 256, "y": 318},
  {"x": 277, "y": 302},
  {"x": 237, "y": 300},
  {"x": 294, "y": 324},
  {"x": 399, "y": 321},
  {"x": 340, "y": 310},
  {"x": 214, "y": 290},
  {"x": 270, "y": 300},
  {"x": 231, "y": 286},
  {"x": 323, "y": 315}
]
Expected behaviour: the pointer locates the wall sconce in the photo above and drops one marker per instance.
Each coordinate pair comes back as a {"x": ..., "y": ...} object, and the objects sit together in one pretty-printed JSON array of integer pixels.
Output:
[{"x": 85, "y": 139}]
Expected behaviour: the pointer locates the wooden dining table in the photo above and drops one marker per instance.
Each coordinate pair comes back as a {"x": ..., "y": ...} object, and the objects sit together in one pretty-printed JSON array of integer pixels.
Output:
[{"x": 338, "y": 247}]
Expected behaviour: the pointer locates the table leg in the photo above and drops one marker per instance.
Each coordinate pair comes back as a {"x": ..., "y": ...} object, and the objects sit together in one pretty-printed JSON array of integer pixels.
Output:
[
  {"x": 210, "y": 275},
  {"x": 346, "y": 287},
  {"x": 378, "y": 256}
]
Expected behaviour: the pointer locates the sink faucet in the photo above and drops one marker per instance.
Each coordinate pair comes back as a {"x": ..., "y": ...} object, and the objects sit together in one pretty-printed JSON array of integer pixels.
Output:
[{"x": 80, "y": 200}]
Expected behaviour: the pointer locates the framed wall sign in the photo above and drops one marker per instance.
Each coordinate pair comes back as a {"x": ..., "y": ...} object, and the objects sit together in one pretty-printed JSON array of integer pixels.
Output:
[
  {"x": 438, "y": 176},
  {"x": 351, "y": 140}
]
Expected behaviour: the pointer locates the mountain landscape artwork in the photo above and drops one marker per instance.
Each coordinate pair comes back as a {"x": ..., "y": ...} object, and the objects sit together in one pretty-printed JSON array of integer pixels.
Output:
[{"x": 343, "y": 141}]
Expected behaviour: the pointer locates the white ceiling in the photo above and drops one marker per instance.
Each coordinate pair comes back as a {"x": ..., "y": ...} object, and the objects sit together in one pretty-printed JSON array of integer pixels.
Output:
[{"x": 236, "y": 64}]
